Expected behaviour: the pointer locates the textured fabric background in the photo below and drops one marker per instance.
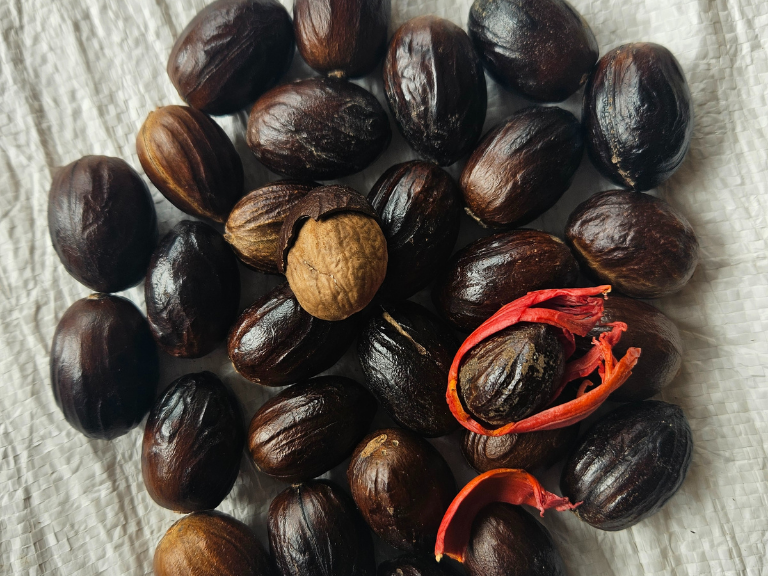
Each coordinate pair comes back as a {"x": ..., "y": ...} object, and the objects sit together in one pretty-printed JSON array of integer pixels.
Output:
[{"x": 79, "y": 76}]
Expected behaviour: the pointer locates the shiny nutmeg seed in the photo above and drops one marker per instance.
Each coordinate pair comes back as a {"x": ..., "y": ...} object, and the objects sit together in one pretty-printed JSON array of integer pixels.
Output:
[
  {"x": 190, "y": 159},
  {"x": 318, "y": 129},
  {"x": 230, "y": 53},
  {"x": 193, "y": 441},
  {"x": 435, "y": 87},
  {"x": 211, "y": 544},
  {"x": 341, "y": 38},
  {"x": 413, "y": 565},
  {"x": 102, "y": 222}
]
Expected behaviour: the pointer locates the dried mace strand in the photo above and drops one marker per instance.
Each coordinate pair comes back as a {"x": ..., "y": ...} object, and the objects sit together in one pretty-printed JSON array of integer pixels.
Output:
[
  {"x": 342, "y": 38},
  {"x": 102, "y": 222},
  {"x": 230, "y": 53},
  {"x": 191, "y": 161}
]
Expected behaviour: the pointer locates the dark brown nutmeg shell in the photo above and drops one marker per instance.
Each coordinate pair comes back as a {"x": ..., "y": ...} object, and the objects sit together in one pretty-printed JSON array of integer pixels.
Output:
[
  {"x": 190, "y": 159},
  {"x": 318, "y": 129},
  {"x": 435, "y": 88},
  {"x": 342, "y": 38},
  {"x": 211, "y": 544},
  {"x": 543, "y": 49},
  {"x": 315, "y": 530},
  {"x": 309, "y": 428},
  {"x": 275, "y": 342},
  {"x": 638, "y": 115},
  {"x": 652, "y": 332},
  {"x": 102, "y": 222},
  {"x": 412, "y": 565},
  {"x": 193, "y": 440},
  {"x": 491, "y": 272},
  {"x": 402, "y": 486},
  {"x": 507, "y": 541},
  {"x": 230, "y": 53},
  {"x": 628, "y": 464},
  {"x": 253, "y": 226},
  {"x": 418, "y": 204},
  {"x": 637, "y": 243},
  {"x": 406, "y": 353},
  {"x": 192, "y": 290},
  {"x": 104, "y": 366},
  {"x": 522, "y": 167}
]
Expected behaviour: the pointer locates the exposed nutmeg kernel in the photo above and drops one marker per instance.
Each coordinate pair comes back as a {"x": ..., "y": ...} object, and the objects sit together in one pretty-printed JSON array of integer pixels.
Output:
[
  {"x": 341, "y": 38},
  {"x": 522, "y": 167},
  {"x": 253, "y": 226},
  {"x": 318, "y": 129},
  {"x": 230, "y": 53},
  {"x": 543, "y": 49},
  {"x": 191, "y": 160},
  {"x": 638, "y": 243},
  {"x": 334, "y": 253},
  {"x": 435, "y": 88}
]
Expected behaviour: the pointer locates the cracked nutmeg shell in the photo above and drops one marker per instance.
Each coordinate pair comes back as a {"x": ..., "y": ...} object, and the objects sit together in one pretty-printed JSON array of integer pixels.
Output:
[
  {"x": 310, "y": 427},
  {"x": 435, "y": 88},
  {"x": 318, "y": 129},
  {"x": 211, "y": 544},
  {"x": 402, "y": 486},
  {"x": 253, "y": 226},
  {"x": 190, "y": 159},
  {"x": 102, "y": 222},
  {"x": 491, "y": 272},
  {"x": 419, "y": 206},
  {"x": 543, "y": 49},
  {"x": 405, "y": 353},
  {"x": 192, "y": 290},
  {"x": 638, "y": 115},
  {"x": 276, "y": 342},
  {"x": 231, "y": 53},
  {"x": 315, "y": 530},
  {"x": 638, "y": 243},
  {"x": 333, "y": 252},
  {"x": 192, "y": 444},
  {"x": 522, "y": 167},
  {"x": 341, "y": 38},
  {"x": 628, "y": 464},
  {"x": 104, "y": 366}
]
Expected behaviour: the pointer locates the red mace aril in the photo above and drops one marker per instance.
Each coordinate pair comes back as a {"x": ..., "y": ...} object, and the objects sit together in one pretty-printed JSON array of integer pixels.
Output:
[{"x": 574, "y": 311}]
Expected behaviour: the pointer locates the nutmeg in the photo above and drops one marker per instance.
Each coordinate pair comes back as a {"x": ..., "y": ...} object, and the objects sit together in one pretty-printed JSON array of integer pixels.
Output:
[
  {"x": 341, "y": 38},
  {"x": 190, "y": 159},
  {"x": 414, "y": 565},
  {"x": 526, "y": 451},
  {"x": 253, "y": 226},
  {"x": 333, "y": 252},
  {"x": 230, "y": 53}
]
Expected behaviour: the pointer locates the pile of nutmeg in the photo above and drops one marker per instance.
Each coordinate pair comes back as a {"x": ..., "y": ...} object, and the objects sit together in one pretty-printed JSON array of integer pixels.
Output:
[{"x": 542, "y": 354}]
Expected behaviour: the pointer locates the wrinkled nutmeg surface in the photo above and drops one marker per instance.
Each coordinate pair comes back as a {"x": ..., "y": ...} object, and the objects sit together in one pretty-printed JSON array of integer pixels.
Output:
[
  {"x": 230, "y": 53},
  {"x": 211, "y": 544},
  {"x": 309, "y": 428},
  {"x": 342, "y": 38},
  {"x": 491, "y": 272},
  {"x": 543, "y": 49},
  {"x": 638, "y": 115},
  {"x": 318, "y": 129},
  {"x": 104, "y": 366},
  {"x": 628, "y": 464},
  {"x": 315, "y": 530},
  {"x": 639, "y": 244},
  {"x": 192, "y": 444},
  {"x": 192, "y": 290},
  {"x": 275, "y": 342},
  {"x": 402, "y": 486},
  {"x": 435, "y": 88},
  {"x": 102, "y": 222},
  {"x": 521, "y": 168},
  {"x": 191, "y": 160}
]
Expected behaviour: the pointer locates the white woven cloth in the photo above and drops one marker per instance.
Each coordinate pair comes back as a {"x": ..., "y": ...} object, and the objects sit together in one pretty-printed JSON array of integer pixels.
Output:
[{"x": 79, "y": 76}]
